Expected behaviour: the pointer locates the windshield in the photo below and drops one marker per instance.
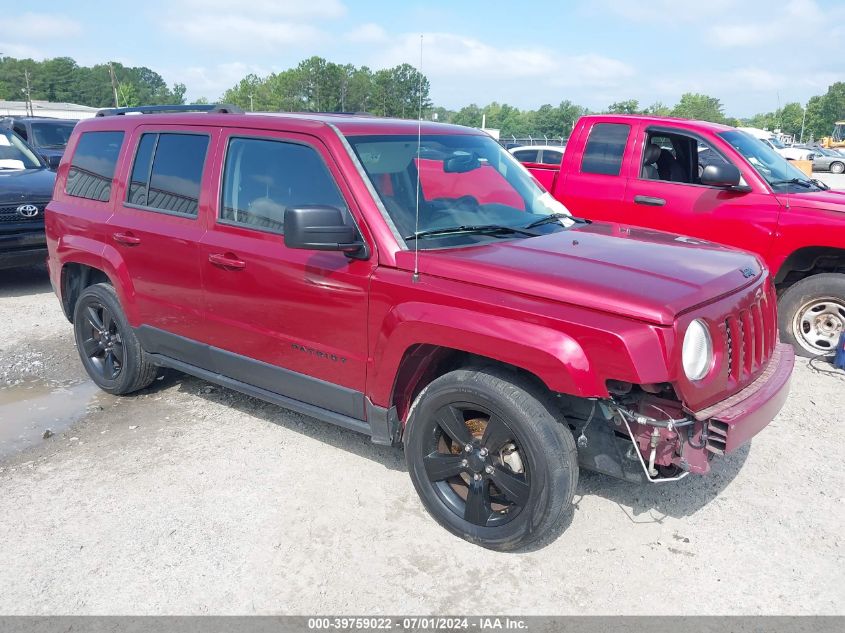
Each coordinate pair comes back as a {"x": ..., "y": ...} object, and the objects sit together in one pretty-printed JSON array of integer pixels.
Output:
[
  {"x": 15, "y": 154},
  {"x": 773, "y": 167},
  {"x": 466, "y": 182},
  {"x": 776, "y": 143},
  {"x": 52, "y": 134}
]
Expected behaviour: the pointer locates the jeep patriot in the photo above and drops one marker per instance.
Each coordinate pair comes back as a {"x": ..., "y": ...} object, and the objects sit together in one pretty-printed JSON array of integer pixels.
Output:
[{"x": 412, "y": 282}]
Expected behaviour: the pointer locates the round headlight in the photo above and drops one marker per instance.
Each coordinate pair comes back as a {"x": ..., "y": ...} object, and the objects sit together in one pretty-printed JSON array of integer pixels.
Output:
[{"x": 697, "y": 353}]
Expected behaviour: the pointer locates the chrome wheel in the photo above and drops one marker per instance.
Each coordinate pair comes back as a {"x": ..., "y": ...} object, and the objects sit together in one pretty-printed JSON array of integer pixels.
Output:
[{"x": 818, "y": 324}]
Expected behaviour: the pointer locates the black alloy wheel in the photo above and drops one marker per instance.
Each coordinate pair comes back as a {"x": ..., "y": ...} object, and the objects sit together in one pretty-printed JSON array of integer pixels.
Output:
[
  {"x": 108, "y": 347},
  {"x": 491, "y": 457},
  {"x": 102, "y": 343},
  {"x": 475, "y": 465}
]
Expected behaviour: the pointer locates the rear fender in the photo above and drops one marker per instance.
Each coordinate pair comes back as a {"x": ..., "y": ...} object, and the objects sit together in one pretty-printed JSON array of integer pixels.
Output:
[{"x": 79, "y": 249}]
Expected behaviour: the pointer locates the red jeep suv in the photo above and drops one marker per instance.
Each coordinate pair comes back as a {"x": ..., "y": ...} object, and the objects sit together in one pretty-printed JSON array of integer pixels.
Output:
[{"x": 412, "y": 282}]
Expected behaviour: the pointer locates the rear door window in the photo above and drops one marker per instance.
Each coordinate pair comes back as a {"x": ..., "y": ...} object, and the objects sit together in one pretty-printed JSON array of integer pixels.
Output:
[
  {"x": 605, "y": 148},
  {"x": 167, "y": 172},
  {"x": 92, "y": 167},
  {"x": 526, "y": 155},
  {"x": 552, "y": 157}
]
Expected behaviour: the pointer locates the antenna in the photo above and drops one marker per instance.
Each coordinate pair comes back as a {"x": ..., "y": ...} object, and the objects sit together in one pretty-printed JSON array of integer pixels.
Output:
[{"x": 416, "y": 277}]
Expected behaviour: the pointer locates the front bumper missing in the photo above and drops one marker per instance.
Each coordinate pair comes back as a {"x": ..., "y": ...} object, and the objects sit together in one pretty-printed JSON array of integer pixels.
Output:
[
  {"x": 637, "y": 447},
  {"x": 735, "y": 420}
]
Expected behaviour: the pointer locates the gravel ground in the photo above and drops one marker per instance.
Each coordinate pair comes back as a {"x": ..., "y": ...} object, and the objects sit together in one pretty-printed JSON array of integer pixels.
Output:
[{"x": 193, "y": 499}]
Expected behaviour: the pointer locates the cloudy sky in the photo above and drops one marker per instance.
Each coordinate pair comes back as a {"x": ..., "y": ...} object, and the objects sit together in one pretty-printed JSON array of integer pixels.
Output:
[{"x": 749, "y": 53}]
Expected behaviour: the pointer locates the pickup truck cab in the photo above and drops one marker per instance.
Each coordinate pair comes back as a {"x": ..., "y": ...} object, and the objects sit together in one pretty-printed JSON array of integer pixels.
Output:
[
  {"x": 715, "y": 183},
  {"x": 411, "y": 282}
]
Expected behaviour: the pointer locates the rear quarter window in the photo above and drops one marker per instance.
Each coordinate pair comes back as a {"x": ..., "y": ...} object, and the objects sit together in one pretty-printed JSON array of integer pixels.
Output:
[
  {"x": 93, "y": 164},
  {"x": 605, "y": 147}
]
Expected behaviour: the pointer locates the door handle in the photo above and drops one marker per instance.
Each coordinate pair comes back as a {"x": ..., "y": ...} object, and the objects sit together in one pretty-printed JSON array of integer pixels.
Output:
[
  {"x": 649, "y": 201},
  {"x": 128, "y": 238},
  {"x": 227, "y": 261}
]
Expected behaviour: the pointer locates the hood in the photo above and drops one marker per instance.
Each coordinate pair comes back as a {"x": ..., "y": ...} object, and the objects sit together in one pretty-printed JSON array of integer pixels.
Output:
[
  {"x": 26, "y": 185},
  {"x": 638, "y": 273},
  {"x": 831, "y": 200}
]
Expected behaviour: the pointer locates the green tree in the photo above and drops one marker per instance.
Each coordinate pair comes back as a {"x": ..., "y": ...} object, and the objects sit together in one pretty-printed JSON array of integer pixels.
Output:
[
  {"x": 824, "y": 110},
  {"x": 631, "y": 106},
  {"x": 658, "y": 109},
  {"x": 699, "y": 106}
]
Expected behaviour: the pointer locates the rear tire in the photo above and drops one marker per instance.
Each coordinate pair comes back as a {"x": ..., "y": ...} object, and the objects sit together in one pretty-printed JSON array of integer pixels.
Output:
[
  {"x": 811, "y": 314},
  {"x": 515, "y": 482},
  {"x": 837, "y": 168},
  {"x": 107, "y": 345}
]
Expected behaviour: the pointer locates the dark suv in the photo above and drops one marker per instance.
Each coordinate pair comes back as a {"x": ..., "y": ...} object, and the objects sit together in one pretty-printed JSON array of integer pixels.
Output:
[
  {"x": 412, "y": 282},
  {"x": 26, "y": 185},
  {"x": 48, "y": 136}
]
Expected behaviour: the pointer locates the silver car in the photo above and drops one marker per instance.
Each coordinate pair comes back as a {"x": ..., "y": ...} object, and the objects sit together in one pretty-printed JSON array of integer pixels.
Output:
[{"x": 828, "y": 160}]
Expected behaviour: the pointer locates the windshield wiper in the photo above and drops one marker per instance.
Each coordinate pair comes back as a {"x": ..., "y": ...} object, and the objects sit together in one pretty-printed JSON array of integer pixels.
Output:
[
  {"x": 553, "y": 217},
  {"x": 470, "y": 228},
  {"x": 794, "y": 181}
]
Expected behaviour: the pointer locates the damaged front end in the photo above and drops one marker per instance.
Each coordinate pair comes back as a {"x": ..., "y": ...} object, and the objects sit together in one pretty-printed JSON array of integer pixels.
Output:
[{"x": 645, "y": 433}]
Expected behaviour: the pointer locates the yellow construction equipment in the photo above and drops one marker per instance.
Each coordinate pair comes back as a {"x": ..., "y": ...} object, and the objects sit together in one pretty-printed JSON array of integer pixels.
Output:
[{"x": 837, "y": 137}]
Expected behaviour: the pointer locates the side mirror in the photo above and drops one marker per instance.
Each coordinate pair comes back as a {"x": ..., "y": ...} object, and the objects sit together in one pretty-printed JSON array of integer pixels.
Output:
[
  {"x": 53, "y": 161},
  {"x": 321, "y": 228},
  {"x": 720, "y": 175}
]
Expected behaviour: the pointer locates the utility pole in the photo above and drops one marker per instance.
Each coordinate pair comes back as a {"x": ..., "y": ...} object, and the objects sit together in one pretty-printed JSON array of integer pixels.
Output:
[
  {"x": 803, "y": 118},
  {"x": 29, "y": 110},
  {"x": 114, "y": 86},
  {"x": 250, "y": 103}
]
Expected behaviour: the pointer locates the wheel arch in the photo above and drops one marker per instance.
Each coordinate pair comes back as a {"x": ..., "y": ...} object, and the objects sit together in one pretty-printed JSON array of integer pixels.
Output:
[
  {"x": 419, "y": 346},
  {"x": 79, "y": 273},
  {"x": 810, "y": 260}
]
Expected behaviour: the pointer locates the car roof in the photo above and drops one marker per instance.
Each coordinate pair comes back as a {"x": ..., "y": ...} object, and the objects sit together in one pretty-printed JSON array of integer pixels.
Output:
[
  {"x": 557, "y": 148},
  {"x": 348, "y": 124},
  {"x": 658, "y": 120},
  {"x": 38, "y": 118}
]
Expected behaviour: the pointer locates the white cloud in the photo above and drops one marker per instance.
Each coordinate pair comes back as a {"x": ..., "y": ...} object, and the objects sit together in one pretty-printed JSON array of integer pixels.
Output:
[
  {"x": 289, "y": 9},
  {"x": 663, "y": 10},
  {"x": 30, "y": 26},
  {"x": 592, "y": 70},
  {"x": 21, "y": 51},
  {"x": 243, "y": 34},
  {"x": 446, "y": 54},
  {"x": 369, "y": 33},
  {"x": 212, "y": 81},
  {"x": 41, "y": 28},
  {"x": 794, "y": 26}
]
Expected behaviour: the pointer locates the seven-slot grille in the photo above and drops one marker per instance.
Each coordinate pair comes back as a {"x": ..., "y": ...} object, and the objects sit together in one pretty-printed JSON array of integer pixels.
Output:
[
  {"x": 9, "y": 214},
  {"x": 750, "y": 337}
]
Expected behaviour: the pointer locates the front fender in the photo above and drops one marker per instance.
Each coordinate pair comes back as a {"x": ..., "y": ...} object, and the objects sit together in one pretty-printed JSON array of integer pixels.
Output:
[{"x": 553, "y": 356}]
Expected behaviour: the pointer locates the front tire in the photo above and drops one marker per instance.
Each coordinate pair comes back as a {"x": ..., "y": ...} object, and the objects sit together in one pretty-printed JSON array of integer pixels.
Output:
[
  {"x": 811, "y": 314},
  {"x": 489, "y": 459},
  {"x": 108, "y": 348}
]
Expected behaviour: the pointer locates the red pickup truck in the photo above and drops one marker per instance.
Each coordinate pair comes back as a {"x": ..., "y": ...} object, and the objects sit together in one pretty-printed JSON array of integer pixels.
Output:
[{"x": 715, "y": 183}]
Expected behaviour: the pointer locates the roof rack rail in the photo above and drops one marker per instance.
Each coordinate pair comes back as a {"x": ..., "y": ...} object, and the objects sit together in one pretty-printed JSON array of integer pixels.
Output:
[{"x": 213, "y": 108}]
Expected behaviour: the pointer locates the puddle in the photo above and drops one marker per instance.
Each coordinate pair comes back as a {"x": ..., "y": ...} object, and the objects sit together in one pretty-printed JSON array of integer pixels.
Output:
[{"x": 32, "y": 406}]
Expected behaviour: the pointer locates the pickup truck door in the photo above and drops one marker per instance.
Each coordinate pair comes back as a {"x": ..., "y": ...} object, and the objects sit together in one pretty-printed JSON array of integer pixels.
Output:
[
  {"x": 596, "y": 169},
  {"x": 668, "y": 196},
  {"x": 289, "y": 321}
]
